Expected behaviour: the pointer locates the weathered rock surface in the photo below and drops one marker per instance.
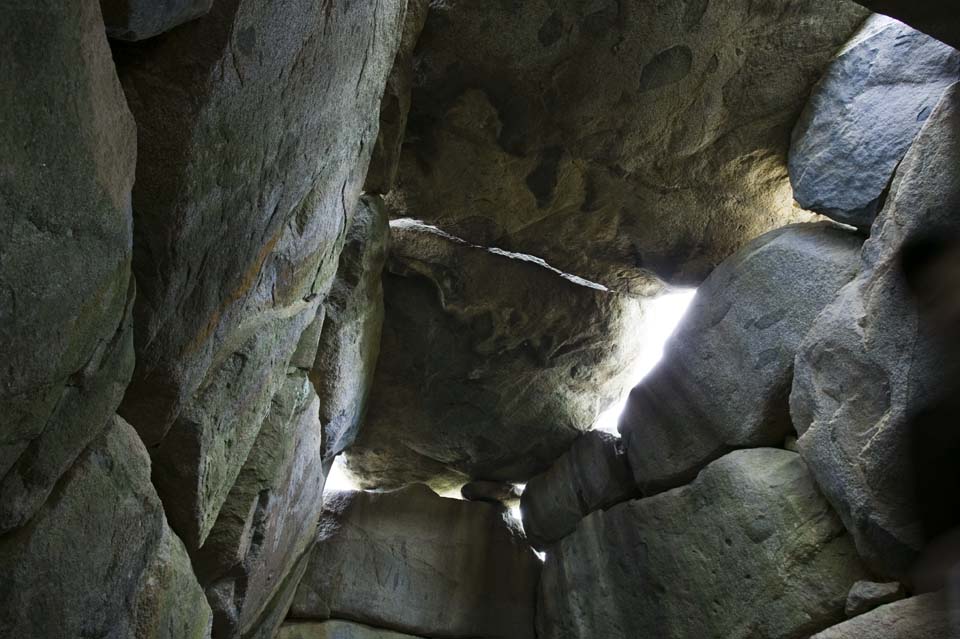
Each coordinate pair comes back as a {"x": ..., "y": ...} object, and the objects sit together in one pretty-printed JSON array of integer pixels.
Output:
[
  {"x": 269, "y": 519},
  {"x": 256, "y": 123},
  {"x": 170, "y": 604},
  {"x": 336, "y": 630},
  {"x": 97, "y": 560},
  {"x": 350, "y": 339},
  {"x": 395, "y": 106},
  {"x": 864, "y": 596},
  {"x": 141, "y": 19},
  {"x": 869, "y": 365},
  {"x": 593, "y": 474},
  {"x": 863, "y": 116},
  {"x": 725, "y": 377},
  {"x": 749, "y": 549},
  {"x": 414, "y": 562},
  {"x": 491, "y": 364},
  {"x": 939, "y": 19},
  {"x": 612, "y": 140},
  {"x": 924, "y": 617},
  {"x": 69, "y": 148},
  {"x": 493, "y": 492}
]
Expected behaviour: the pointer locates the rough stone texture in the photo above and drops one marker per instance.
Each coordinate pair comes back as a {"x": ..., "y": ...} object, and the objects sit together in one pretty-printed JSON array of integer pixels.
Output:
[
  {"x": 494, "y": 492},
  {"x": 490, "y": 364},
  {"x": 395, "y": 106},
  {"x": 414, "y": 562},
  {"x": 593, "y": 474},
  {"x": 350, "y": 339},
  {"x": 141, "y": 19},
  {"x": 97, "y": 560},
  {"x": 864, "y": 596},
  {"x": 862, "y": 117},
  {"x": 725, "y": 376},
  {"x": 659, "y": 133},
  {"x": 273, "y": 615},
  {"x": 269, "y": 519},
  {"x": 939, "y": 19},
  {"x": 749, "y": 550},
  {"x": 66, "y": 171},
  {"x": 869, "y": 365},
  {"x": 925, "y": 617},
  {"x": 256, "y": 123},
  {"x": 336, "y": 630},
  {"x": 170, "y": 604}
]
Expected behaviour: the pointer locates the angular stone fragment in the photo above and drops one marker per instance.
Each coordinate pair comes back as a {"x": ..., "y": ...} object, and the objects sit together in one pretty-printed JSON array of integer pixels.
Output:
[
  {"x": 592, "y": 475},
  {"x": 616, "y": 141},
  {"x": 268, "y": 521},
  {"x": 255, "y": 126},
  {"x": 749, "y": 549},
  {"x": 346, "y": 357},
  {"x": 97, "y": 560},
  {"x": 863, "y": 116},
  {"x": 396, "y": 104},
  {"x": 725, "y": 376},
  {"x": 491, "y": 363},
  {"x": 870, "y": 367},
  {"x": 414, "y": 562},
  {"x": 864, "y": 596},
  {"x": 927, "y": 616},
  {"x": 939, "y": 19},
  {"x": 68, "y": 153},
  {"x": 335, "y": 630},
  {"x": 141, "y": 19}
]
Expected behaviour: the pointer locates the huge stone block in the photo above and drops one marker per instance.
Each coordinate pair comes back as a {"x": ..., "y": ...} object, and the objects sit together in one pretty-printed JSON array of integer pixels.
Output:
[
  {"x": 750, "y": 550},
  {"x": 491, "y": 363},
  {"x": 725, "y": 376},
  {"x": 593, "y": 474},
  {"x": 871, "y": 367},
  {"x": 927, "y": 616},
  {"x": 255, "y": 124},
  {"x": 862, "y": 117},
  {"x": 622, "y": 141},
  {"x": 68, "y": 154},
  {"x": 346, "y": 357},
  {"x": 417, "y": 563},
  {"x": 268, "y": 521},
  {"x": 98, "y": 559}
]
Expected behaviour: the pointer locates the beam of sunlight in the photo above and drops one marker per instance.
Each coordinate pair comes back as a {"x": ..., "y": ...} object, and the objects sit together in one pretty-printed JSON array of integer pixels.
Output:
[
  {"x": 338, "y": 478},
  {"x": 661, "y": 316}
]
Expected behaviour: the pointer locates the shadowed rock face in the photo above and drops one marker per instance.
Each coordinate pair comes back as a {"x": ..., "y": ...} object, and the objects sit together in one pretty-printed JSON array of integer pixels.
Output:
[
  {"x": 270, "y": 516},
  {"x": 417, "y": 563},
  {"x": 863, "y": 116},
  {"x": 98, "y": 559},
  {"x": 925, "y": 617},
  {"x": 616, "y": 141},
  {"x": 593, "y": 474},
  {"x": 68, "y": 155},
  {"x": 490, "y": 364},
  {"x": 939, "y": 19},
  {"x": 750, "y": 549},
  {"x": 395, "y": 106},
  {"x": 726, "y": 373},
  {"x": 141, "y": 19},
  {"x": 256, "y": 124},
  {"x": 336, "y": 630},
  {"x": 346, "y": 357},
  {"x": 872, "y": 376}
]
